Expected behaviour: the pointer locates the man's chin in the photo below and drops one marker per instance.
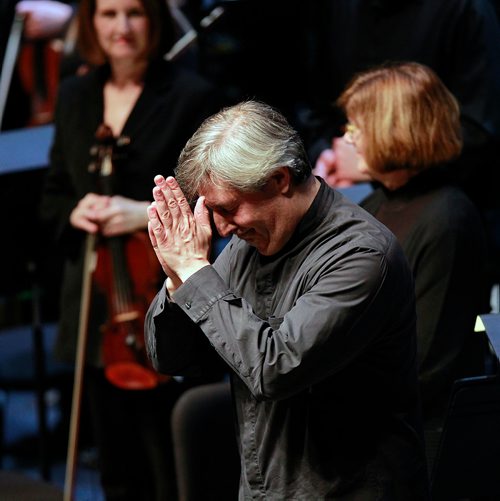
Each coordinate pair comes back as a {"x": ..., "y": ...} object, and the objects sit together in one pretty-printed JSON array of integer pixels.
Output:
[
  {"x": 263, "y": 250},
  {"x": 253, "y": 243}
]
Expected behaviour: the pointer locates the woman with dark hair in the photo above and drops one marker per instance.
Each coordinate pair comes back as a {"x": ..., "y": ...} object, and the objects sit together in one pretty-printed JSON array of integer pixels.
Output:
[
  {"x": 151, "y": 107},
  {"x": 405, "y": 127}
]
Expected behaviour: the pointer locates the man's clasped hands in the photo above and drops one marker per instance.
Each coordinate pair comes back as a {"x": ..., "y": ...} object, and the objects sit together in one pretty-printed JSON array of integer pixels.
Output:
[{"x": 181, "y": 237}]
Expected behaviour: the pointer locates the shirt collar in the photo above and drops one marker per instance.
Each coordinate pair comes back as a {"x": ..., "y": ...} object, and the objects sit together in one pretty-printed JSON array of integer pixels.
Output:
[{"x": 317, "y": 212}]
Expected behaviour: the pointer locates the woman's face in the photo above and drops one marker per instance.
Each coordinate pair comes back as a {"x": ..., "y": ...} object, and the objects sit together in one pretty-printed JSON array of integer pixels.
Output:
[
  {"x": 122, "y": 29},
  {"x": 354, "y": 135}
]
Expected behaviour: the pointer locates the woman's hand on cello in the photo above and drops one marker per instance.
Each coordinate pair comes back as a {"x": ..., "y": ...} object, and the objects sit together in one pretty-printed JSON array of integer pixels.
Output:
[
  {"x": 85, "y": 215},
  {"x": 111, "y": 216},
  {"x": 122, "y": 216}
]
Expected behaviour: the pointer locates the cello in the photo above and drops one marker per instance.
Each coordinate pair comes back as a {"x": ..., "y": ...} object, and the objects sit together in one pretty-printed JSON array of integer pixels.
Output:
[
  {"x": 120, "y": 335},
  {"x": 126, "y": 270}
]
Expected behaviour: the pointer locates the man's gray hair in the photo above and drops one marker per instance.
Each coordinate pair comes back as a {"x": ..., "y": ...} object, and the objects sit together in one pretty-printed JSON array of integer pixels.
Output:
[{"x": 241, "y": 147}]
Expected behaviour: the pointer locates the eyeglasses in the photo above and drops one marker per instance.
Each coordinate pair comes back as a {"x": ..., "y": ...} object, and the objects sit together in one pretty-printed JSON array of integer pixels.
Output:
[{"x": 350, "y": 132}]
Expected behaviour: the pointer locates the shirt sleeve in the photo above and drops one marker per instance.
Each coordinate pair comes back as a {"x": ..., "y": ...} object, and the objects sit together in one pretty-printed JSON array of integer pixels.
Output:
[{"x": 176, "y": 345}]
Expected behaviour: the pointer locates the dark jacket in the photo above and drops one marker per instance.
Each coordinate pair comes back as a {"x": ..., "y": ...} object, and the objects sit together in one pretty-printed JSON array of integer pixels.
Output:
[{"x": 170, "y": 108}]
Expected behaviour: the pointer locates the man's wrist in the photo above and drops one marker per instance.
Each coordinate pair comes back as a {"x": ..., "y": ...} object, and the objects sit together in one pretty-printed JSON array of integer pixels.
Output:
[{"x": 191, "y": 270}]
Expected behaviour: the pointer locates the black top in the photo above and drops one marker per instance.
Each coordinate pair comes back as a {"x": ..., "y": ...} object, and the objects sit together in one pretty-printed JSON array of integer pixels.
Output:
[
  {"x": 170, "y": 108},
  {"x": 442, "y": 237}
]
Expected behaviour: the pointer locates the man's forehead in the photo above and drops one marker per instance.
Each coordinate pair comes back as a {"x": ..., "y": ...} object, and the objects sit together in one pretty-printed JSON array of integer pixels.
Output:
[{"x": 218, "y": 194}]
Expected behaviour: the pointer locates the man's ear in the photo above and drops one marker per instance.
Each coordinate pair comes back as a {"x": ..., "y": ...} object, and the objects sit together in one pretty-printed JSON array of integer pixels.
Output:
[{"x": 280, "y": 181}]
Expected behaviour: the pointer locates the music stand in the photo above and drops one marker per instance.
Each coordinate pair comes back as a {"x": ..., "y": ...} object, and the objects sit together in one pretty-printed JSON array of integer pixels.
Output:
[{"x": 468, "y": 457}]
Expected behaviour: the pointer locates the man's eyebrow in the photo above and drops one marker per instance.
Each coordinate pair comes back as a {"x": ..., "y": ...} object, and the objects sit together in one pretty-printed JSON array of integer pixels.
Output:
[
  {"x": 219, "y": 206},
  {"x": 228, "y": 204}
]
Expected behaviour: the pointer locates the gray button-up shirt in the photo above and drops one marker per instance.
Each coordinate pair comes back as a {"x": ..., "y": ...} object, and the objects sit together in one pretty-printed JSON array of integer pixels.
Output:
[{"x": 320, "y": 343}]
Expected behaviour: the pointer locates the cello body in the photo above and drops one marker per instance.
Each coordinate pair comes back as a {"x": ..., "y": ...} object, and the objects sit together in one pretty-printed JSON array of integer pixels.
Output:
[{"x": 127, "y": 273}]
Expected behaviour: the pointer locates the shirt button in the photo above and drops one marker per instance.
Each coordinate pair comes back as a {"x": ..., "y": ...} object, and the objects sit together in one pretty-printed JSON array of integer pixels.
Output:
[{"x": 187, "y": 305}]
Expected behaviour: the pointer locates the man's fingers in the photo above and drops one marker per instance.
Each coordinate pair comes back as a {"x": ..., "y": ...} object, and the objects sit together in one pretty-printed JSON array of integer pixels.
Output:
[
  {"x": 155, "y": 226},
  {"x": 155, "y": 231},
  {"x": 182, "y": 203},
  {"x": 174, "y": 197},
  {"x": 152, "y": 235},
  {"x": 201, "y": 213},
  {"x": 154, "y": 243},
  {"x": 168, "y": 197},
  {"x": 162, "y": 208}
]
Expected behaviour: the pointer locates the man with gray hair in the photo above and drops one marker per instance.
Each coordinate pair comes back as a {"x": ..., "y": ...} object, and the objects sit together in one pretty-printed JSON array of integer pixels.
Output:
[{"x": 310, "y": 305}]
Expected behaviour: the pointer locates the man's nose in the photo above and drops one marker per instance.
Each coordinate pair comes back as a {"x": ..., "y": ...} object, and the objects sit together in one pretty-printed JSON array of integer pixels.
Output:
[{"x": 223, "y": 225}]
